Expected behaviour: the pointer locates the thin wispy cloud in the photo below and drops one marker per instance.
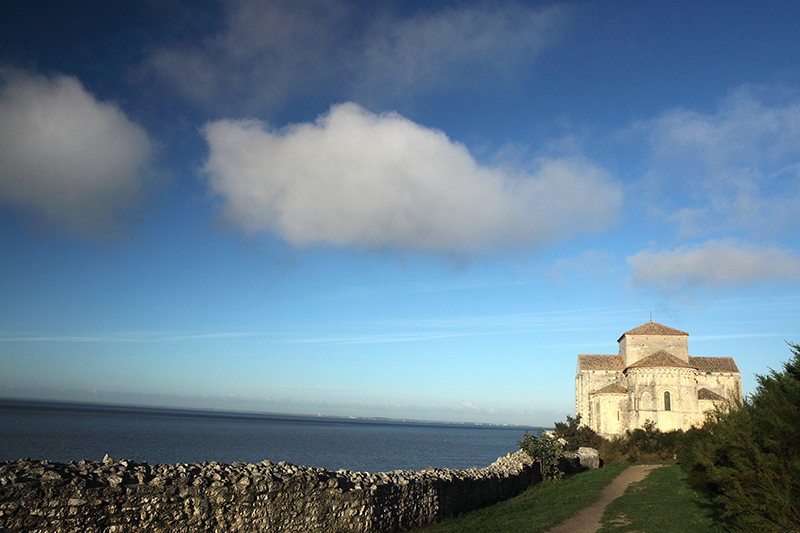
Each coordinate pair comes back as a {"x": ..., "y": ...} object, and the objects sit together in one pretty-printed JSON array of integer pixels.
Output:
[
  {"x": 127, "y": 337},
  {"x": 735, "y": 336},
  {"x": 266, "y": 53},
  {"x": 382, "y": 338},
  {"x": 263, "y": 54},
  {"x": 591, "y": 263},
  {"x": 567, "y": 318},
  {"x": 463, "y": 46},
  {"x": 420, "y": 329},
  {"x": 732, "y": 169}
]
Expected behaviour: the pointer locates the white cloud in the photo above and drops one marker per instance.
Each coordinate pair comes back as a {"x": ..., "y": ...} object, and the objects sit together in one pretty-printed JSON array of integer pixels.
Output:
[
  {"x": 70, "y": 159},
  {"x": 713, "y": 265},
  {"x": 735, "y": 168},
  {"x": 354, "y": 178},
  {"x": 266, "y": 53}
]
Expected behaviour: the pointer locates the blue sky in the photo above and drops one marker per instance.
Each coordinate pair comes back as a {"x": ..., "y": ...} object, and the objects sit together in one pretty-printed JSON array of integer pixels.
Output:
[{"x": 399, "y": 209}]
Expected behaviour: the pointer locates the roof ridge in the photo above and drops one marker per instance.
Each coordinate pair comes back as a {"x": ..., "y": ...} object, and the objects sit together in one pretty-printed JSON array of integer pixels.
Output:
[
  {"x": 653, "y": 328},
  {"x": 708, "y": 394},
  {"x": 660, "y": 358},
  {"x": 600, "y": 362},
  {"x": 723, "y": 363},
  {"x": 613, "y": 388}
]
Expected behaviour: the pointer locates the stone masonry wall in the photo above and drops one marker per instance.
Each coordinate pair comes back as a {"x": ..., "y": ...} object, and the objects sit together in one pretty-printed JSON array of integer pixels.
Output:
[{"x": 124, "y": 496}]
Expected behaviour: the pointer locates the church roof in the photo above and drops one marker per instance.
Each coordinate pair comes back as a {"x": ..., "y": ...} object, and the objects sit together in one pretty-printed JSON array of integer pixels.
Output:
[
  {"x": 614, "y": 388},
  {"x": 705, "y": 394},
  {"x": 600, "y": 362},
  {"x": 653, "y": 328},
  {"x": 714, "y": 364},
  {"x": 660, "y": 358}
]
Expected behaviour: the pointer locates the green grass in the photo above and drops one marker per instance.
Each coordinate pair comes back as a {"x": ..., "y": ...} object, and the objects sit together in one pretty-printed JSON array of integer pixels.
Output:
[
  {"x": 538, "y": 509},
  {"x": 662, "y": 503}
]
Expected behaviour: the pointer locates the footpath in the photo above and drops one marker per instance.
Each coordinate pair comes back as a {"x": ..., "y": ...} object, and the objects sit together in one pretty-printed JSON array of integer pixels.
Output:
[{"x": 588, "y": 519}]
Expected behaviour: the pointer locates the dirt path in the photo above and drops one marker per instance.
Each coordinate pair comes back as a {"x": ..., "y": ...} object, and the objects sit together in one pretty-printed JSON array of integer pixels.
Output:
[{"x": 588, "y": 520}]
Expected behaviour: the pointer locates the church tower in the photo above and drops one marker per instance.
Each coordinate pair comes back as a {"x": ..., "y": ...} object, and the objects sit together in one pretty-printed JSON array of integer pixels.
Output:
[{"x": 638, "y": 343}]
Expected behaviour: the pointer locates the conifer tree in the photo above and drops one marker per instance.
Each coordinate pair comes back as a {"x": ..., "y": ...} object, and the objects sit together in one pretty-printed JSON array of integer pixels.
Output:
[{"x": 747, "y": 455}]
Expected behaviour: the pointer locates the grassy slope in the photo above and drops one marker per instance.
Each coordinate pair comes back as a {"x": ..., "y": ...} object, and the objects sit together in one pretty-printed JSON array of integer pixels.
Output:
[
  {"x": 537, "y": 509},
  {"x": 662, "y": 503}
]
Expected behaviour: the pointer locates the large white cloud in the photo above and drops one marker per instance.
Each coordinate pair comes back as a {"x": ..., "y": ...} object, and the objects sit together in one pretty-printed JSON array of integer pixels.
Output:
[
  {"x": 713, "y": 265},
  {"x": 73, "y": 161},
  {"x": 266, "y": 53},
  {"x": 384, "y": 182},
  {"x": 734, "y": 169}
]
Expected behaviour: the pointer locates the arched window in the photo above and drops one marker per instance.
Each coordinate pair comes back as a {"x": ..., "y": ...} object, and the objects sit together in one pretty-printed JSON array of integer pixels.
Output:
[{"x": 667, "y": 406}]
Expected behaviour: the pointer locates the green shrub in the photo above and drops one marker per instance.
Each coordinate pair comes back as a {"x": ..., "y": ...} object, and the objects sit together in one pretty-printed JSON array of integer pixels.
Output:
[
  {"x": 614, "y": 450},
  {"x": 577, "y": 435},
  {"x": 544, "y": 449},
  {"x": 747, "y": 454},
  {"x": 645, "y": 444}
]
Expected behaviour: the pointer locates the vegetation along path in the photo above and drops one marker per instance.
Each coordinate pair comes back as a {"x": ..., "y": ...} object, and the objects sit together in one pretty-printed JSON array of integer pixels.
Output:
[
  {"x": 588, "y": 520},
  {"x": 661, "y": 502}
]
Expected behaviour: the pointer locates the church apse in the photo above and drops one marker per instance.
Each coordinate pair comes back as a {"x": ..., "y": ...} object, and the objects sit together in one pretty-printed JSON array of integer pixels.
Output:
[{"x": 652, "y": 377}]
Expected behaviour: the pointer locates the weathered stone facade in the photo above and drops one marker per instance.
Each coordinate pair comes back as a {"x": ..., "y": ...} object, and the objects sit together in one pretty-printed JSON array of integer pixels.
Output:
[
  {"x": 653, "y": 377},
  {"x": 124, "y": 496}
]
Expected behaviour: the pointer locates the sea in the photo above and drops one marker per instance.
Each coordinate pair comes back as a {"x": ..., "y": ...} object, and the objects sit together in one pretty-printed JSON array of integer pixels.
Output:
[{"x": 63, "y": 432}]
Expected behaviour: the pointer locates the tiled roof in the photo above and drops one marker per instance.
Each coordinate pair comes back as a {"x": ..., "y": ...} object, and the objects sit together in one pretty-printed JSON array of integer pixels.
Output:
[
  {"x": 660, "y": 358},
  {"x": 714, "y": 364},
  {"x": 600, "y": 362},
  {"x": 653, "y": 328},
  {"x": 614, "y": 388},
  {"x": 705, "y": 394}
]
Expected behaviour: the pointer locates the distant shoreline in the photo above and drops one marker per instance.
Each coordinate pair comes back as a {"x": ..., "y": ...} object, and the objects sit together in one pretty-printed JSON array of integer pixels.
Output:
[
  {"x": 183, "y": 412},
  {"x": 64, "y": 431}
]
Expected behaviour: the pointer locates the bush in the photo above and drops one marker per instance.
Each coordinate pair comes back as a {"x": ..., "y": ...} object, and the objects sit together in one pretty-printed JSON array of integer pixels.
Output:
[
  {"x": 747, "y": 456},
  {"x": 645, "y": 444},
  {"x": 613, "y": 451},
  {"x": 577, "y": 435},
  {"x": 545, "y": 449}
]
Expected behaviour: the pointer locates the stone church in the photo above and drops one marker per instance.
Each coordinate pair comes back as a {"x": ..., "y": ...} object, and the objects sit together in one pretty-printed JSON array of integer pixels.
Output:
[{"x": 652, "y": 378}]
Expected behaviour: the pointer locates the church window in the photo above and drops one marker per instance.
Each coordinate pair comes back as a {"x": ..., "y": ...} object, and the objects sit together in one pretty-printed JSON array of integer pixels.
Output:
[{"x": 667, "y": 406}]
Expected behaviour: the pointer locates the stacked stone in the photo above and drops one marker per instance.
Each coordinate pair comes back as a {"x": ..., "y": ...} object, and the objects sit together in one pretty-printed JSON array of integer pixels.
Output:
[{"x": 122, "y": 496}]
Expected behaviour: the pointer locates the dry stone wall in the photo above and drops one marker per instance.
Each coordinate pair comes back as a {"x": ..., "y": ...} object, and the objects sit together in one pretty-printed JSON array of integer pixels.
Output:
[{"x": 124, "y": 496}]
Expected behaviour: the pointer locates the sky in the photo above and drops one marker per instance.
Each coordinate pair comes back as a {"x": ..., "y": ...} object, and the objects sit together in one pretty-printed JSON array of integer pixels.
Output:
[{"x": 414, "y": 210}]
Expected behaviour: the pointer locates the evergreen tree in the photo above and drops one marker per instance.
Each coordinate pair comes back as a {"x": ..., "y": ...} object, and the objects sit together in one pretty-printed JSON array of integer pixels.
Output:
[{"x": 748, "y": 454}]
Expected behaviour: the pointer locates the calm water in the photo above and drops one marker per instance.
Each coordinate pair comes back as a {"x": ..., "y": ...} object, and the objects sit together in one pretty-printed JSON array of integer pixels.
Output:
[{"x": 70, "y": 432}]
